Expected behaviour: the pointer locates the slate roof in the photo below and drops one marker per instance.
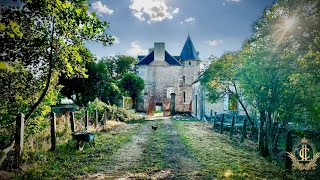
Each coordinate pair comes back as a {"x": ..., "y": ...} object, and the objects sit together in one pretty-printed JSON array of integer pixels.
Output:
[
  {"x": 145, "y": 60},
  {"x": 188, "y": 51}
]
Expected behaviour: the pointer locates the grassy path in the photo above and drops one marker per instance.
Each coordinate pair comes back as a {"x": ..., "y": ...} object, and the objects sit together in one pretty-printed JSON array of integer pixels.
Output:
[
  {"x": 68, "y": 163},
  {"x": 176, "y": 150},
  {"x": 223, "y": 158}
]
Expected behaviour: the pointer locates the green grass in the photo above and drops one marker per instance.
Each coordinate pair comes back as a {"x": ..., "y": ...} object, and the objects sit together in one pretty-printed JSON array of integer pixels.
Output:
[
  {"x": 139, "y": 121},
  {"x": 223, "y": 158},
  {"x": 67, "y": 162},
  {"x": 152, "y": 159}
]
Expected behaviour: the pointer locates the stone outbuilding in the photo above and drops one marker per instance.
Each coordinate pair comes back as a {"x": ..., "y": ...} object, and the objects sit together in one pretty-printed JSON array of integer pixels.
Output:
[{"x": 202, "y": 107}]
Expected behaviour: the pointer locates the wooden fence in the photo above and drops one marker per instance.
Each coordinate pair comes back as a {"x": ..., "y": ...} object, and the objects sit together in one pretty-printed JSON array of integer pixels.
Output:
[
  {"x": 19, "y": 133},
  {"x": 289, "y": 136}
]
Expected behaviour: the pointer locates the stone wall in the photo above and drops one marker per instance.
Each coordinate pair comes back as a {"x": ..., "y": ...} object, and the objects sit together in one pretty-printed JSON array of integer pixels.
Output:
[
  {"x": 161, "y": 79},
  {"x": 201, "y": 106}
]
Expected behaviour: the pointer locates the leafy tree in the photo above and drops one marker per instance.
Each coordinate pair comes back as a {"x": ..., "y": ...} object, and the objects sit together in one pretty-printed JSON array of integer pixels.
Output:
[
  {"x": 277, "y": 70},
  {"x": 101, "y": 82},
  {"x": 118, "y": 65},
  {"x": 274, "y": 76},
  {"x": 82, "y": 90},
  {"x": 221, "y": 79},
  {"x": 132, "y": 85},
  {"x": 39, "y": 40}
]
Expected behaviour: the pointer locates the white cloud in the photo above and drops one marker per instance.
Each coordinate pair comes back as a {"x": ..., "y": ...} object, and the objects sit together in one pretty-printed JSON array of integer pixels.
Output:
[
  {"x": 190, "y": 19},
  {"x": 223, "y": 4},
  {"x": 136, "y": 49},
  {"x": 116, "y": 40},
  {"x": 175, "y": 11},
  {"x": 237, "y": 1},
  {"x": 214, "y": 43},
  {"x": 152, "y": 10},
  {"x": 101, "y": 8}
]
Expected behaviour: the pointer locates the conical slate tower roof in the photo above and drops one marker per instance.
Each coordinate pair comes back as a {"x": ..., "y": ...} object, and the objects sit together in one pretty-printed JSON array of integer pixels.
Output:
[{"x": 189, "y": 52}]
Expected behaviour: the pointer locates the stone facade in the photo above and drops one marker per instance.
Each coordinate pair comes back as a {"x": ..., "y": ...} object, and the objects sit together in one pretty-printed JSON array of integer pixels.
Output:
[
  {"x": 164, "y": 74},
  {"x": 201, "y": 107}
]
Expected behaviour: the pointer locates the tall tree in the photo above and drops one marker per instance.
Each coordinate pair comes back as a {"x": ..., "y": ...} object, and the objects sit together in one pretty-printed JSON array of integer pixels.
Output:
[
  {"x": 103, "y": 77},
  {"x": 132, "y": 85},
  {"x": 39, "y": 40},
  {"x": 221, "y": 80},
  {"x": 274, "y": 76}
]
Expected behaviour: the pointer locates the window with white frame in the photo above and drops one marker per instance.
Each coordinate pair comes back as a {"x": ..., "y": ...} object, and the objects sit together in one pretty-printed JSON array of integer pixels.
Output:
[{"x": 169, "y": 91}]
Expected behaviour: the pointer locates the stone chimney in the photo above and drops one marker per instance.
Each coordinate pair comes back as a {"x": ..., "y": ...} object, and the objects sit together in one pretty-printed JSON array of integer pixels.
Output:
[{"x": 159, "y": 51}]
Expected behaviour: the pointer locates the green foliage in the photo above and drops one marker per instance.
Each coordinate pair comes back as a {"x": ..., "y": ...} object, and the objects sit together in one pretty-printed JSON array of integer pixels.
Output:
[
  {"x": 102, "y": 80},
  {"x": 119, "y": 65},
  {"x": 113, "y": 112},
  {"x": 284, "y": 46},
  {"x": 221, "y": 76},
  {"x": 66, "y": 161},
  {"x": 277, "y": 70},
  {"x": 132, "y": 85},
  {"x": 40, "y": 40},
  {"x": 96, "y": 105}
]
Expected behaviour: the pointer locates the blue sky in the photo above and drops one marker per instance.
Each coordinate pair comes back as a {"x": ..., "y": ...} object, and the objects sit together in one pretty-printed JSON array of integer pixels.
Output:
[{"x": 215, "y": 26}]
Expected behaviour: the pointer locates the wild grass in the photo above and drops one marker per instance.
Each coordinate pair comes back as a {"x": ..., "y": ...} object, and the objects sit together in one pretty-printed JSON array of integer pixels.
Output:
[
  {"x": 223, "y": 158},
  {"x": 67, "y": 162}
]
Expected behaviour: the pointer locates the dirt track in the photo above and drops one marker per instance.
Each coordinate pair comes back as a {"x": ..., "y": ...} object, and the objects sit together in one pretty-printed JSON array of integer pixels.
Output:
[
  {"x": 176, "y": 161},
  {"x": 183, "y": 150}
]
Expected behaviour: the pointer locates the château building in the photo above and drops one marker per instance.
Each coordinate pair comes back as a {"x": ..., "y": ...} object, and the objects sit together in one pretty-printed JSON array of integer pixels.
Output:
[{"x": 164, "y": 74}]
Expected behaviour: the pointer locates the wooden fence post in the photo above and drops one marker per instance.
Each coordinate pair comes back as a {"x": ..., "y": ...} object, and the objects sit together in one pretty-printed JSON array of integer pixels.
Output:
[
  {"x": 214, "y": 120},
  {"x": 221, "y": 127},
  {"x": 53, "y": 131},
  {"x": 244, "y": 130},
  {"x": 289, "y": 143},
  {"x": 86, "y": 120},
  {"x": 211, "y": 116},
  {"x": 72, "y": 121},
  {"x": 19, "y": 139},
  {"x": 173, "y": 104},
  {"x": 232, "y": 126},
  {"x": 105, "y": 116},
  {"x": 97, "y": 118}
]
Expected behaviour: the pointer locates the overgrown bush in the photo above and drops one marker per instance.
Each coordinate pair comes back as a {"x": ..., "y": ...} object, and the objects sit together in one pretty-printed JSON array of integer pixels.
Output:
[{"x": 113, "y": 112}]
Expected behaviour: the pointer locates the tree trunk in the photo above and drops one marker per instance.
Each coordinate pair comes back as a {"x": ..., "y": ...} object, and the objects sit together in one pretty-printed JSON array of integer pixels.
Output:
[
  {"x": 269, "y": 134},
  {"x": 244, "y": 130},
  {"x": 34, "y": 107},
  {"x": 288, "y": 149},
  {"x": 244, "y": 108},
  {"x": 221, "y": 124},
  {"x": 134, "y": 103},
  {"x": 263, "y": 135},
  {"x": 261, "y": 131},
  {"x": 232, "y": 126},
  {"x": 275, "y": 135}
]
